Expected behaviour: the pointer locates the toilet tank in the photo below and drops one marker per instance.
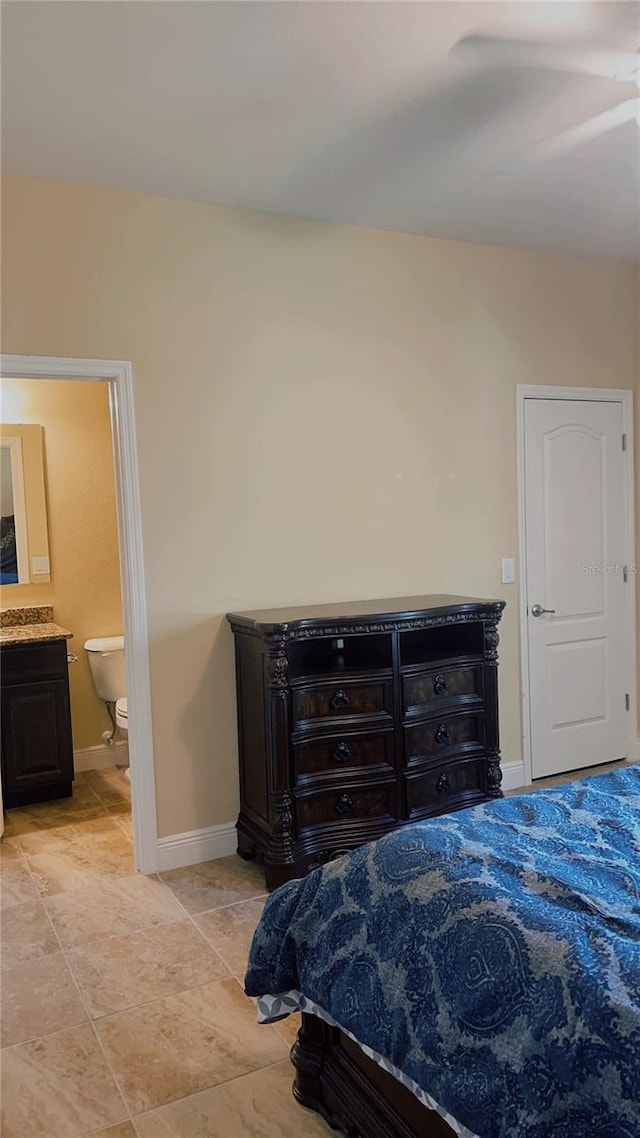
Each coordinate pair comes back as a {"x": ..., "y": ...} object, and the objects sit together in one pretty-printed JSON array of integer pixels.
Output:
[{"x": 106, "y": 660}]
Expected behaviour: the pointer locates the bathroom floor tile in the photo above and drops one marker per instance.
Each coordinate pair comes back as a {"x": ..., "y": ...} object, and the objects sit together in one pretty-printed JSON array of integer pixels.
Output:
[
  {"x": 26, "y": 934},
  {"x": 16, "y": 883},
  {"x": 66, "y": 834},
  {"x": 82, "y": 861},
  {"x": 46, "y": 815},
  {"x": 212, "y": 884},
  {"x": 288, "y": 1028},
  {"x": 112, "y": 907},
  {"x": 39, "y": 997},
  {"x": 120, "y": 808},
  {"x": 10, "y": 849},
  {"x": 111, "y": 785},
  {"x": 230, "y": 931},
  {"x": 120, "y": 1130},
  {"x": 258, "y": 1105},
  {"x": 124, "y": 971},
  {"x": 58, "y": 1087},
  {"x": 181, "y": 1044},
  {"x": 125, "y": 822}
]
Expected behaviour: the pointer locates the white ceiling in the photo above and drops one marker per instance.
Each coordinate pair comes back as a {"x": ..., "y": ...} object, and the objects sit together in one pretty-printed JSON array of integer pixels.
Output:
[{"x": 349, "y": 112}]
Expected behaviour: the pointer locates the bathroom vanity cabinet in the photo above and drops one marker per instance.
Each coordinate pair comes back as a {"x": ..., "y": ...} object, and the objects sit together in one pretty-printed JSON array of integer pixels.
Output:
[
  {"x": 37, "y": 747},
  {"x": 354, "y": 719}
]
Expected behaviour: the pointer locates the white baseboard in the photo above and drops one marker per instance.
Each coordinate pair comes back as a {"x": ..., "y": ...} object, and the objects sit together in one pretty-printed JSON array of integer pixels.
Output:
[
  {"x": 197, "y": 845},
  {"x": 512, "y": 776},
  {"x": 101, "y": 756}
]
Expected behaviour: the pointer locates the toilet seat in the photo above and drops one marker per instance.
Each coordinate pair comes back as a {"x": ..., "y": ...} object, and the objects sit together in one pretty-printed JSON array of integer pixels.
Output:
[{"x": 122, "y": 718}]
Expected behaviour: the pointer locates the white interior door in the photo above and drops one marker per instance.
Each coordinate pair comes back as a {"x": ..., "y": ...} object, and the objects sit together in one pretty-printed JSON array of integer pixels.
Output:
[{"x": 574, "y": 503}]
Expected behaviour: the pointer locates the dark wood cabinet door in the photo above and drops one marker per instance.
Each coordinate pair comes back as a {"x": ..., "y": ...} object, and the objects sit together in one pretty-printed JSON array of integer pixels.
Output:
[{"x": 37, "y": 747}]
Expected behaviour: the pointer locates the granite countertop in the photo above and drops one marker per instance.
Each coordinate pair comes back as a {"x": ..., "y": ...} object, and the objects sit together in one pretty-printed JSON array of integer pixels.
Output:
[
  {"x": 33, "y": 625},
  {"x": 33, "y": 633}
]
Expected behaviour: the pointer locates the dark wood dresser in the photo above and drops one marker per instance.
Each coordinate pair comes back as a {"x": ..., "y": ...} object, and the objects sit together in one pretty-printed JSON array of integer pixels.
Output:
[{"x": 356, "y": 718}]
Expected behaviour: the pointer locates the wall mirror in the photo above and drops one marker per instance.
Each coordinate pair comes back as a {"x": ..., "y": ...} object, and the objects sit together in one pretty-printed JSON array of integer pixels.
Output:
[{"x": 24, "y": 542}]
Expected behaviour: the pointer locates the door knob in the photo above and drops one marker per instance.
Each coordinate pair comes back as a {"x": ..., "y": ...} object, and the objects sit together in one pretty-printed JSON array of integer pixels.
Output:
[{"x": 537, "y": 610}]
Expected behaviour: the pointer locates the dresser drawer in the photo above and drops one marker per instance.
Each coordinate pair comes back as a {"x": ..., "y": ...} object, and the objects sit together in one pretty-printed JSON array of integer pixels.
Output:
[
  {"x": 342, "y": 699},
  {"x": 342, "y": 806},
  {"x": 436, "y": 739},
  {"x": 341, "y": 753},
  {"x": 441, "y": 689},
  {"x": 448, "y": 786},
  {"x": 23, "y": 662}
]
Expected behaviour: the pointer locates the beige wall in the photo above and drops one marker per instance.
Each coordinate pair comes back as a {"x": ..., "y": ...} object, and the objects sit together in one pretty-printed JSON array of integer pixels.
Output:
[
  {"x": 83, "y": 537},
  {"x": 323, "y": 412}
]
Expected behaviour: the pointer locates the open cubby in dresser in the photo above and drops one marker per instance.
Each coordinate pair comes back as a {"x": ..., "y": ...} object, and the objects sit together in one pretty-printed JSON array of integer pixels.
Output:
[{"x": 359, "y": 717}]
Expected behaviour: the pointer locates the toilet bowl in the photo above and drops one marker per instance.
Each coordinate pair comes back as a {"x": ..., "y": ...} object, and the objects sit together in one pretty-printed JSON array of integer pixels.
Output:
[
  {"x": 122, "y": 720},
  {"x": 106, "y": 660},
  {"x": 121, "y": 714}
]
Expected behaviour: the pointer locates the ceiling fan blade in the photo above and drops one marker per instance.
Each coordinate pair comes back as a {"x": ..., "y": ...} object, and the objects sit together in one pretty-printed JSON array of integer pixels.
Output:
[
  {"x": 575, "y": 136},
  {"x": 608, "y": 64}
]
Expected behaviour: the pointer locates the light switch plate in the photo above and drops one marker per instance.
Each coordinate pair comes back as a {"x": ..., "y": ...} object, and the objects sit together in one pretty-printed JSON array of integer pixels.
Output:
[
  {"x": 39, "y": 566},
  {"x": 508, "y": 570}
]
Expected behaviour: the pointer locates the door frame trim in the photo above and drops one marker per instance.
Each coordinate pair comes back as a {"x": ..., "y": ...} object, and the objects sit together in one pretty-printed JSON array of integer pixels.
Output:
[
  {"x": 119, "y": 376},
  {"x": 624, "y": 397}
]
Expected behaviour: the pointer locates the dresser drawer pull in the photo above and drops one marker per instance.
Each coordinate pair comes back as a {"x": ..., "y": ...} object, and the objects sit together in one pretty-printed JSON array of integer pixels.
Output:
[
  {"x": 340, "y": 700},
  {"x": 345, "y": 805},
  {"x": 442, "y": 735},
  {"x": 440, "y": 685},
  {"x": 342, "y": 753},
  {"x": 442, "y": 783}
]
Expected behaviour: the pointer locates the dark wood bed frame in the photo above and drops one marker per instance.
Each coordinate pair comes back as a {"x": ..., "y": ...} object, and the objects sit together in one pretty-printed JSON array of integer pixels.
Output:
[{"x": 355, "y": 1096}]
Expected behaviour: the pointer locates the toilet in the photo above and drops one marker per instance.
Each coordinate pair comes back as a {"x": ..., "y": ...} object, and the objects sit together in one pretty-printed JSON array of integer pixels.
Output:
[
  {"x": 121, "y": 714},
  {"x": 106, "y": 660}
]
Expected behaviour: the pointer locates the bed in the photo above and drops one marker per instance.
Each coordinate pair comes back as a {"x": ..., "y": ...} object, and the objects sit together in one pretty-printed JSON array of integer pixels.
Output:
[{"x": 474, "y": 975}]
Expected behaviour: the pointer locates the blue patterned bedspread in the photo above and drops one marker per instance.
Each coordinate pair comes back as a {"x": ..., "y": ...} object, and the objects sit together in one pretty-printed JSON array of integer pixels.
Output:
[{"x": 492, "y": 956}]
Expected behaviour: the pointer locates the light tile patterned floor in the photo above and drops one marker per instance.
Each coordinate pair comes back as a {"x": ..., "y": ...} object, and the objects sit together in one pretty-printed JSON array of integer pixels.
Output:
[{"x": 123, "y": 1014}]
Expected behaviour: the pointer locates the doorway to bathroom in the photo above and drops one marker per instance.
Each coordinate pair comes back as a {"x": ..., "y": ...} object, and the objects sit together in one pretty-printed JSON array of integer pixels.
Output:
[{"x": 101, "y": 786}]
